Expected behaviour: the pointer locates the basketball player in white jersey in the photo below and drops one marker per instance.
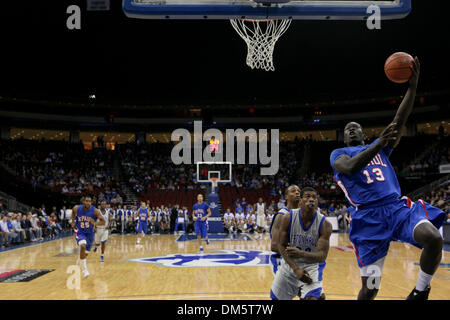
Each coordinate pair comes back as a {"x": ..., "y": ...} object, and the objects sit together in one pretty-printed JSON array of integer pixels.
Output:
[
  {"x": 292, "y": 195},
  {"x": 260, "y": 209},
  {"x": 303, "y": 242},
  {"x": 101, "y": 233}
]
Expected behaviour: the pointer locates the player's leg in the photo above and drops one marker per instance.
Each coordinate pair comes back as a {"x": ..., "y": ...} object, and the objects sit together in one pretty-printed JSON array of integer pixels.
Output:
[
  {"x": 205, "y": 232},
  {"x": 97, "y": 240},
  {"x": 198, "y": 233},
  {"x": 89, "y": 240},
  {"x": 103, "y": 239},
  {"x": 139, "y": 233},
  {"x": 284, "y": 286},
  {"x": 371, "y": 234},
  {"x": 102, "y": 256},
  {"x": 418, "y": 225},
  {"x": 83, "y": 254},
  {"x": 371, "y": 280},
  {"x": 314, "y": 290}
]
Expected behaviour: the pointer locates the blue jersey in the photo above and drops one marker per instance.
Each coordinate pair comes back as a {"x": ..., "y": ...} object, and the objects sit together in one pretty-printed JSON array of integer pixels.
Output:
[
  {"x": 143, "y": 215},
  {"x": 373, "y": 183},
  {"x": 239, "y": 210},
  {"x": 200, "y": 210},
  {"x": 83, "y": 223}
]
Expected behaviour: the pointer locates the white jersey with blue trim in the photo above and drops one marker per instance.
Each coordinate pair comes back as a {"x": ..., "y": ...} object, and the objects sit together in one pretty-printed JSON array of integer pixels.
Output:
[{"x": 305, "y": 239}]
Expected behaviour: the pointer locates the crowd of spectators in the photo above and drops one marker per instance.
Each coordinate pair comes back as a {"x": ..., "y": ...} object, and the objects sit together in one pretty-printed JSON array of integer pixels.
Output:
[
  {"x": 35, "y": 225},
  {"x": 433, "y": 160},
  {"x": 69, "y": 169},
  {"x": 440, "y": 198},
  {"x": 62, "y": 167}
]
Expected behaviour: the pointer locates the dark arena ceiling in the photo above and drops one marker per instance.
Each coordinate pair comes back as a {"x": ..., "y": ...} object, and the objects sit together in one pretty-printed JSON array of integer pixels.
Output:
[{"x": 155, "y": 65}]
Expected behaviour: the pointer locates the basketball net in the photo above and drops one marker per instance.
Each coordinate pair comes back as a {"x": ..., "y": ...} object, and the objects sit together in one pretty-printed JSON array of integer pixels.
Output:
[
  {"x": 214, "y": 184},
  {"x": 260, "y": 36}
]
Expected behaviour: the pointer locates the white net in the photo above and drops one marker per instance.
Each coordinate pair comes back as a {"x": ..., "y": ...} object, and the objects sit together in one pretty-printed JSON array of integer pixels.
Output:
[{"x": 260, "y": 36}]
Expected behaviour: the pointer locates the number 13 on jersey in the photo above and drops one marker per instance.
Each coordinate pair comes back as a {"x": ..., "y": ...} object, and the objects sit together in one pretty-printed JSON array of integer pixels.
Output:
[{"x": 378, "y": 175}]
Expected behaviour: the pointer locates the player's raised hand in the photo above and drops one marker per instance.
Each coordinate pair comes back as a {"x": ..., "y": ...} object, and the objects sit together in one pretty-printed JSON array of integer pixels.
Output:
[
  {"x": 389, "y": 134},
  {"x": 415, "y": 68},
  {"x": 303, "y": 276}
]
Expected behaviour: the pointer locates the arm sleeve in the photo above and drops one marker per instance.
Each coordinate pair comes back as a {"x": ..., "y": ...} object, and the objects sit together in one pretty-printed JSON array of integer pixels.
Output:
[{"x": 336, "y": 154}]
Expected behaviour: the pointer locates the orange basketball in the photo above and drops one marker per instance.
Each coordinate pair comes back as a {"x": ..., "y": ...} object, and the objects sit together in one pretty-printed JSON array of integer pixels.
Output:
[{"x": 397, "y": 67}]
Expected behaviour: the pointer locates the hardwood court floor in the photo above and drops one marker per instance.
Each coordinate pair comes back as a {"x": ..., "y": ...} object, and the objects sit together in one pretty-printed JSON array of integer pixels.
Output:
[{"x": 120, "y": 279}]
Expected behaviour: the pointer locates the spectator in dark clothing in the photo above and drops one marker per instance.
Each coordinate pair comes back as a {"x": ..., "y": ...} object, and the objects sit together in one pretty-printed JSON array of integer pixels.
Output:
[
  {"x": 164, "y": 225},
  {"x": 173, "y": 217},
  {"x": 26, "y": 225}
]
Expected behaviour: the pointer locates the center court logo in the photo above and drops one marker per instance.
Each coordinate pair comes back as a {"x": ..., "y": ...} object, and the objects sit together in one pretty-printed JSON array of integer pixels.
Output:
[
  {"x": 258, "y": 147},
  {"x": 222, "y": 258}
]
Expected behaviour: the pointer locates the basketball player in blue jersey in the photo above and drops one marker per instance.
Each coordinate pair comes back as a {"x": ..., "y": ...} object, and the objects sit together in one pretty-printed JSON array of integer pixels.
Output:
[
  {"x": 143, "y": 217},
  {"x": 303, "y": 242},
  {"x": 200, "y": 214},
  {"x": 83, "y": 222},
  {"x": 370, "y": 185}
]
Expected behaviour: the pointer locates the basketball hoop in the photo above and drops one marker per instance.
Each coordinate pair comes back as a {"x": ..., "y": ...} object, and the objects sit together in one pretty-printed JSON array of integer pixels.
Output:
[
  {"x": 260, "y": 36},
  {"x": 214, "y": 181}
]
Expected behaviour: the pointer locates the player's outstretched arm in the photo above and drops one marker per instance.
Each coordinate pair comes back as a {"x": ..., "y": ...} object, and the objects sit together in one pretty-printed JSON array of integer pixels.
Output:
[
  {"x": 323, "y": 245},
  {"x": 283, "y": 241},
  {"x": 407, "y": 104}
]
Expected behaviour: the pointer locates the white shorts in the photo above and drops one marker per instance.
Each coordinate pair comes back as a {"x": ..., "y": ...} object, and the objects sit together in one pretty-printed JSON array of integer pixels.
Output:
[
  {"x": 101, "y": 235},
  {"x": 261, "y": 221},
  {"x": 286, "y": 285}
]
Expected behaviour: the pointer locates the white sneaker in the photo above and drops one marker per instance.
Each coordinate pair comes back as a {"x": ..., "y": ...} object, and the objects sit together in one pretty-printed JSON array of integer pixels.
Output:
[{"x": 85, "y": 273}]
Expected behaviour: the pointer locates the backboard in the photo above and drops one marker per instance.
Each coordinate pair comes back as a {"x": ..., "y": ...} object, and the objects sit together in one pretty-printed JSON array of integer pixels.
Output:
[
  {"x": 219, "y": 171},
  {"x": 264, "y": 9}
]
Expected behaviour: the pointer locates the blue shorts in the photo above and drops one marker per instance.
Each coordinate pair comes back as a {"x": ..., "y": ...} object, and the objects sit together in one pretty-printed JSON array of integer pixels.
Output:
[
  {"x": 87, "y": 237},
  {"x": 142, "y": 227},
  {"x": 373, "y": 227},
  {"x": 201, "y": 229}
]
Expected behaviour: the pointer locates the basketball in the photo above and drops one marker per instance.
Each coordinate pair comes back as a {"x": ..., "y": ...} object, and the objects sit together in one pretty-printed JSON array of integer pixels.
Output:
[{"x": 397, "y": 67}]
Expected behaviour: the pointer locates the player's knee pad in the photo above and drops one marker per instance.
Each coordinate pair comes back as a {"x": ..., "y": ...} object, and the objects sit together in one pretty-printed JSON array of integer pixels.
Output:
[{"x": 82, "y": 242}]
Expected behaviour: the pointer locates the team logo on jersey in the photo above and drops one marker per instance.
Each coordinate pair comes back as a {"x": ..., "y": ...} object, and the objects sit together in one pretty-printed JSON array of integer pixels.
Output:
[{"x": 222, "y": 258}]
